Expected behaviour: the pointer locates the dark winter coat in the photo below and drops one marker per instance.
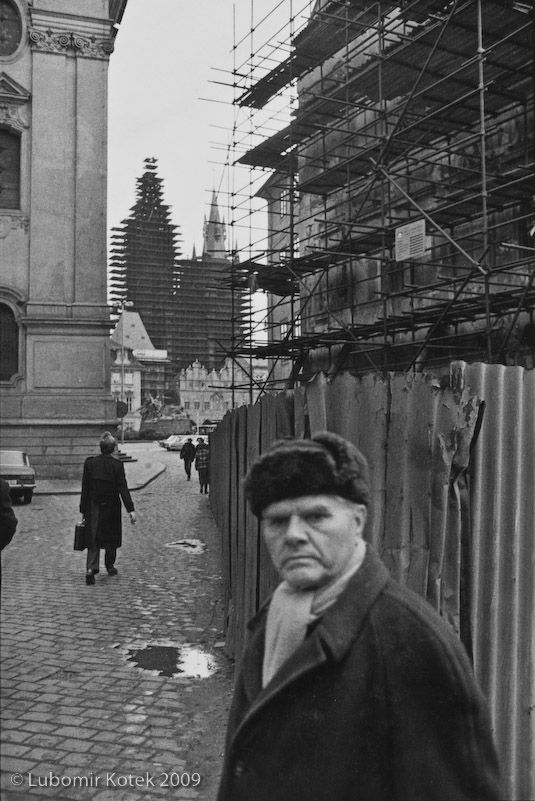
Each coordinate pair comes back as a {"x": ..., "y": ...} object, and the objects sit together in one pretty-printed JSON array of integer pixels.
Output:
[
  {"x": 377, "y": 704},
  {"x": 187, "y": 452},
  {"x": 103, "y": 486},
  {"x": 8, "y": 521}
]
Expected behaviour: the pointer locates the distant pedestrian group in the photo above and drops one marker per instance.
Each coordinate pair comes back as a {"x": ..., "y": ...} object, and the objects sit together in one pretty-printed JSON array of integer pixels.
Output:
[{"x": 198, "y": 455}]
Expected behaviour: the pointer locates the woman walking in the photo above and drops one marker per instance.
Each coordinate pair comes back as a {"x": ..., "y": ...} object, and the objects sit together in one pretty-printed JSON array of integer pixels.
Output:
[{"x": 201, "y": 464}]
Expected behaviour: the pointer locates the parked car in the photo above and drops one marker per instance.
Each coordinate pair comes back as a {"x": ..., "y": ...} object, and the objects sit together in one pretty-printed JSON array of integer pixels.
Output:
[
  {"x": 164, "y": 442},
  {"x": 15, "y": 468},
  {"x": 178, "y": 440}
]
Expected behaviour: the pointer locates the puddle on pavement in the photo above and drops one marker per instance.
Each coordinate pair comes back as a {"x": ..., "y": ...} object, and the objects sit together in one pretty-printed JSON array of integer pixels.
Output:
[
  {"x": 191, "y": 546},
  {"x": 184, "y": 661}
]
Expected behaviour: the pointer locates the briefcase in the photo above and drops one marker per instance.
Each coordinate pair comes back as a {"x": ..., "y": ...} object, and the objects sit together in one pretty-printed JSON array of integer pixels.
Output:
[{"x": 80, "y": 541}]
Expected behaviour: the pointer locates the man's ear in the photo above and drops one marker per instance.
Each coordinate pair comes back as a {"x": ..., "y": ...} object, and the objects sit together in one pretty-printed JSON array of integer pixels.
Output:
[{"x": 361, "y": 515}]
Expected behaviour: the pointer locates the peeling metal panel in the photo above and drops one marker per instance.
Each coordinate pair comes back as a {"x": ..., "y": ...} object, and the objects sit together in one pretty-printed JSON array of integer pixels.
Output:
[{"x": 503, "y": 563}]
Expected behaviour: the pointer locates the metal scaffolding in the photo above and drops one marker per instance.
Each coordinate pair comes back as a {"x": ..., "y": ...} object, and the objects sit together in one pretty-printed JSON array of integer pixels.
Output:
[{"x": 391, "y": 146}]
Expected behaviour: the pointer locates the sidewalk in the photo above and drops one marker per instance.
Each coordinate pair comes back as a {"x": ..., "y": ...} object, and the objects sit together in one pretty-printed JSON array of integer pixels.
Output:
[{"x": 117, "y": 691}]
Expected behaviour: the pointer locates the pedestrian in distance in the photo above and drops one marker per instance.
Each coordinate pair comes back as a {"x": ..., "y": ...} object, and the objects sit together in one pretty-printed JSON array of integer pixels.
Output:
[
  {"x": 187, "y": 453},
  {"x": 103, "y": 487},
  {"x": 350, "y": 686},
  {"x": 8, "y": 521},
  {"x": 202, "y": 456}
]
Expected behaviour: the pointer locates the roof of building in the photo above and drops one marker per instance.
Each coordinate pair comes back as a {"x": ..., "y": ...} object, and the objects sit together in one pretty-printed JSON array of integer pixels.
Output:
[{"x": 131, "y": 332}]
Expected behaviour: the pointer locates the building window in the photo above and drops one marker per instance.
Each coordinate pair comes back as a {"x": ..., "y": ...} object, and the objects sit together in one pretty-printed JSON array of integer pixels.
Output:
[
  {"x": 285, "y": 203},
  {"x": 9, "y": 337},
  {"x": 9, "y": 170},
  {"x": 186, "y": 404},
  {"x": 196, "y": 405},
  {"x": 206, "y": 405},
  {"x": 10, "y": 28}
]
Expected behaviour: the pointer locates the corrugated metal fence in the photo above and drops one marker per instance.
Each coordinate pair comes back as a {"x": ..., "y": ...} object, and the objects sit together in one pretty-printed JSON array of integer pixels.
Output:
[
  {"x": 453, "y": 520},
  {"x": 503, "y": 563}
]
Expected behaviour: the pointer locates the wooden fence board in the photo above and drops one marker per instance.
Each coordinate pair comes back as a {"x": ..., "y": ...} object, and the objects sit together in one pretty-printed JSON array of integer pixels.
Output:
[
  {"x": 359, "y": 412},
  {"x": 316, "y": 392},
  {"x": 233, "y": 526},
  {"x": 284, "y": 414},
  {"x": 220, "y": 490},
  {"x": 240, "y": 593},
  {"x": 455, "y": 421},
  {"x": 267, "y": 578},
  {"x": 252, "y": 566},
  {"x": 300, "y": 422}
]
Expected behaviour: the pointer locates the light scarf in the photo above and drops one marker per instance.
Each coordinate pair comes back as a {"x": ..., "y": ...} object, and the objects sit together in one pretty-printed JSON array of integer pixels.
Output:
[{"x": 292, "y": 610}]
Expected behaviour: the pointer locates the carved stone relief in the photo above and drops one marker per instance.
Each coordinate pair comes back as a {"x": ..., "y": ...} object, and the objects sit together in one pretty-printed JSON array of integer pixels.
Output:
[
  {"x": 50, "y": 42},
  {"x": 13, "y": 104},
  {"x": 12, "y": 222},
  {"x": 13, "y": 116}
]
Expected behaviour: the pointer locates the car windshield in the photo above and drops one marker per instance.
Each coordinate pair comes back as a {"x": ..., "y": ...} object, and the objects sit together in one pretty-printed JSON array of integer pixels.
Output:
[{"x": 16, "y": 458}]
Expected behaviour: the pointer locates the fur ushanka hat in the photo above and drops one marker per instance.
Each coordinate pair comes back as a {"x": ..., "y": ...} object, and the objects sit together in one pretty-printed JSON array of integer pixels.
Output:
[{"x": 327, "y": 464}]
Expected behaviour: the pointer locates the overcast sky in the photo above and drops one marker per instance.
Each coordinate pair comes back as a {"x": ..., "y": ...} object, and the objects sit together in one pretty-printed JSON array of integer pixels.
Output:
[{"x": 164, "y": 54}]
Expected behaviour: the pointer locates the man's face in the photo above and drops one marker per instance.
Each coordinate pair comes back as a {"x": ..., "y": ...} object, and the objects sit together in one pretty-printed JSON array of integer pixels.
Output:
[{"x": 311, "y": 539}]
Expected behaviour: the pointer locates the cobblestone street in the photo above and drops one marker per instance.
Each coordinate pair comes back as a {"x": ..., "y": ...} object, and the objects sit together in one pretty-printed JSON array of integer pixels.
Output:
[{"x": 80, "y": 719}]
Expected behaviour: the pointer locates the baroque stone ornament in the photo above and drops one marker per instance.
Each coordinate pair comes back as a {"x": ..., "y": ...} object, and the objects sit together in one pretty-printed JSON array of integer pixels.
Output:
[
  {"x": 13, "y": 104},
  {"x": 10, "y": 222},
  {"x": 12, "y": 116},
  {"x": 50, "y": 42}
]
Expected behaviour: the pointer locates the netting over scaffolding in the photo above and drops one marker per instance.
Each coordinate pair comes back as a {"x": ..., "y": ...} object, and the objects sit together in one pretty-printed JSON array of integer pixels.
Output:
[{"x": 383, "y": 174}]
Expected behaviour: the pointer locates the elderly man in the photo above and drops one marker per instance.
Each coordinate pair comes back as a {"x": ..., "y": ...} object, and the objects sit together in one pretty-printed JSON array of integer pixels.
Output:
[{"x": 351, "y": 687}]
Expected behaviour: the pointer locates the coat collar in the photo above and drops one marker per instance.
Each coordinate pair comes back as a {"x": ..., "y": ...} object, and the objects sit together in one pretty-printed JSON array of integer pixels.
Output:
[{"x": 332, "y": 637}]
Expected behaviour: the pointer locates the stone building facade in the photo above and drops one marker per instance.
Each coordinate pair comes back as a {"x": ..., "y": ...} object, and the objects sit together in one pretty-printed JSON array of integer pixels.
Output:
[
  {"x": 208, "y": 394},
  {"x": 126, "y": 372},
  {"x": 131, "y": 335},
  {"x": 54, "y": 319}
]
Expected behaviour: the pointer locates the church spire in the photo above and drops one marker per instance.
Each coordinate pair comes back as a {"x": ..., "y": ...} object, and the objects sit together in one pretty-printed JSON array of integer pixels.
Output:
[{"x": 214, "y": 233}]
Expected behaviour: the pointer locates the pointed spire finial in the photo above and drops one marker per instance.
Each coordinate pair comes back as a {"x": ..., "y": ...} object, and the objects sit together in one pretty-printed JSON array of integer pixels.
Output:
[{"x": 214, "y": 232}]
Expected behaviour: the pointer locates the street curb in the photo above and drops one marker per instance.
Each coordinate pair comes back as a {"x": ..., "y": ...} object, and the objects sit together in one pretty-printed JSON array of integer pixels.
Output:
[
  {"x": 151, "y": 478},
  {"x": 132, "y": 487}
]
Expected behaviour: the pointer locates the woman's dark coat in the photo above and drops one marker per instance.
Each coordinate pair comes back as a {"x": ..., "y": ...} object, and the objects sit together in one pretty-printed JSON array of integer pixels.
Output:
[
  {"x": 377, "y": 704},
  {"x": 103, "y": 486}
]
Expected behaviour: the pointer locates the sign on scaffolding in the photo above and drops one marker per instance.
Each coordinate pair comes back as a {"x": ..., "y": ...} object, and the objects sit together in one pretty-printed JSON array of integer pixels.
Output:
[{"x": 410, "y": 241}]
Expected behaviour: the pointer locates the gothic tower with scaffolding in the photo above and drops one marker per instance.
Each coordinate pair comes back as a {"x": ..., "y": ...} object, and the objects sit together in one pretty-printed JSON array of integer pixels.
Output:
[{"x": 209, "y": 313}]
